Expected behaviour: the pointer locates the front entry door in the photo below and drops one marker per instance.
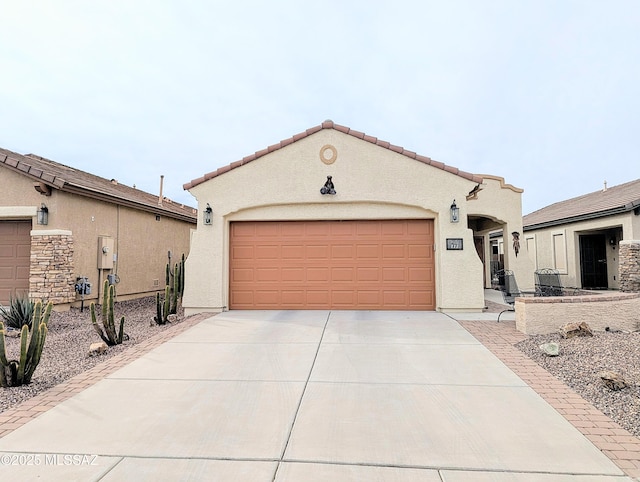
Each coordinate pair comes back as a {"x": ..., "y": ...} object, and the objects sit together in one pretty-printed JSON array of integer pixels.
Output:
[{"x": 593, "y": 261}]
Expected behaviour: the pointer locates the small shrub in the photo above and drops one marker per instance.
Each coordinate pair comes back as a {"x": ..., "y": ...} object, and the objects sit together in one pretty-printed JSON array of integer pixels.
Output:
[{"x": 18, "y": 313}]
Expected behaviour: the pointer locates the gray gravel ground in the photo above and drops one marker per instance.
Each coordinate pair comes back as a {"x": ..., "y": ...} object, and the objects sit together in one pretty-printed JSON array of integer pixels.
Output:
[
  {"x": 65, "y": 353},
  {"x": 580, "y": 361}
]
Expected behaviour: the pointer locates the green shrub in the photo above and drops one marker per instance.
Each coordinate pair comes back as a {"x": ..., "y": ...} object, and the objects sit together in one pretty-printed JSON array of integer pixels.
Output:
[{"x": 18, "y": 313}]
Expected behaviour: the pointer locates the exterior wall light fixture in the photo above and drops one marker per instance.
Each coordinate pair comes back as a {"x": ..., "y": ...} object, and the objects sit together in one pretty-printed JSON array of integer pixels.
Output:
[
  {"x": 207, "y": 215},
  {"x": 455, "y": 212},
  {"x": 43, "y": 215}
]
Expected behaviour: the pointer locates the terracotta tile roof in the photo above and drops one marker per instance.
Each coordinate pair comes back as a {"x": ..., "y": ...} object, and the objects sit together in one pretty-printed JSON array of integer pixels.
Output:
[
  {"x": 69, "y": 179},
  {"x": 613, "y": 200},
  {"x": 328, "y": 124}
]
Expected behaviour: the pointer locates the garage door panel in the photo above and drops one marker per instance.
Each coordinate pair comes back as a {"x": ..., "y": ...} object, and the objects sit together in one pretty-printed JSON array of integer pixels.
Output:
[
  {"x": 420, "y": 251},
  {"x": 327, "y": 264},
  {"x": 7, "y": 251},
  {"x": 371, "y": 251},
  {"x": 318, "y": 274},
  {"x": 294, "y": 298},
  {"x": 267, "y": 252},
  {"x": 394, "y": 274},
  {"x": 270, "y": 275},
  {"x": 420, "y": 274},
  {"x": 318, "y": 252},
  {"x": 318, "y": 298},
  {"x": 395, "y": 298},
  {"x": 393, "y": 228},
  {"x": 342, "y": 251},
  {"x": 365, "y": 274},
  {"x": 293, "y": 274},
  {"x": 293, "y": 251},
  {"x": 242, "y": 252},
  {"x": 343, "y": 275}
]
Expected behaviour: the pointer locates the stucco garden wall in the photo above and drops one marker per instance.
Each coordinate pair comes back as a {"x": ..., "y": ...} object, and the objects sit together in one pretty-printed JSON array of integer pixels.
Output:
[{"x": 543, "y": 315}]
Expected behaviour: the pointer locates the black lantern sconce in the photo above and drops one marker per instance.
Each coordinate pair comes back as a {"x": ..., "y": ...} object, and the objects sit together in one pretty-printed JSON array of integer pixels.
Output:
[
  {"x": 43, "y": 215},
  {"x": 207, "y": 215},
  {"x": 455, "y": 212}
]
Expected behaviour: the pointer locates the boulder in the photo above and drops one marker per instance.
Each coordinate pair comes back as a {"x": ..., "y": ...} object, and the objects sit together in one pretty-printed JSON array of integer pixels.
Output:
[
  {"x": 575, "y": 329},
  {"x": 613, "y": 380},
  {"x": 550, "y": 349},
  {"x": 97, "y": 348},
  {"x": 172, "y": 318}
]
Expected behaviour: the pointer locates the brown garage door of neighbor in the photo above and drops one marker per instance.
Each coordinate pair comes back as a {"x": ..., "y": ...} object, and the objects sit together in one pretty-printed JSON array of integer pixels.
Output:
[
  {"x": 346, "y": 265},
  {"x": 15, "y": 251}
]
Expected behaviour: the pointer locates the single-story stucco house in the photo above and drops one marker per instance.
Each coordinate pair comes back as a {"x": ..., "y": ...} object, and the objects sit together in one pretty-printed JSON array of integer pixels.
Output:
[
  {"x": 332, "y": 218},
  {"x": 580, "y": 237},
  {"x": 59, "y": 225}
]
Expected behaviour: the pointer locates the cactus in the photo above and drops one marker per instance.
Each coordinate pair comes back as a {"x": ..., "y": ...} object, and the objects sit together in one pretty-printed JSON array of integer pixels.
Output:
[
  {"x": 19, "y": 372},
  {"x": 109, "y": 335},
  {"x": 162, "y": 308},
  {"x": 175, "y": 291}
]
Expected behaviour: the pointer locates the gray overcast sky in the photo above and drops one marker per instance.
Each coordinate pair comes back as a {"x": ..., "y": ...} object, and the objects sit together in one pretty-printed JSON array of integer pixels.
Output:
[{"x": 542, "y": 92}]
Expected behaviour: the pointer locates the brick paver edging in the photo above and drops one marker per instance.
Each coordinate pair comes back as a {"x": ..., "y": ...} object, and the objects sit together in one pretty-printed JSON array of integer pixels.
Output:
[
  {"x": 614, "y": 441},
  {"x": 17, "y": 416}
]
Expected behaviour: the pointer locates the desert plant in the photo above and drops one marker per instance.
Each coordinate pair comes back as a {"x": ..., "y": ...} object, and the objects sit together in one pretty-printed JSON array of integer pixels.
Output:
[
  {"x": 162, "y": 308},
  {"x": 175, "y": 281},
  {"x": 14, "y": 373},
  {"x": 18, "y": 313},
  {"x": 108, "y": 335}
]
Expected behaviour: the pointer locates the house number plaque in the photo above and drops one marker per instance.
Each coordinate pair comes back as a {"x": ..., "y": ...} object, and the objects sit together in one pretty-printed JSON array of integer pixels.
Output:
[{"x": 454, "y": 244}]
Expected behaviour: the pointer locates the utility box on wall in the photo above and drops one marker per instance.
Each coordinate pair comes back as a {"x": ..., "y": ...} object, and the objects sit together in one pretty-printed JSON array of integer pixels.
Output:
[{"x": 106, "y": 246}]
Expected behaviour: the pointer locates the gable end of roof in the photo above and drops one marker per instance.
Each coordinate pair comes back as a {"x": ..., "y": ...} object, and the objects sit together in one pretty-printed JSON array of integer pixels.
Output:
[{"x": 328, "y": 124}]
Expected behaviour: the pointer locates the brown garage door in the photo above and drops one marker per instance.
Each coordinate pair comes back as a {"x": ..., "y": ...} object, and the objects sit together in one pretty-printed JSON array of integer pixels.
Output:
[
  {"x": 332, "y": 265},
  {"x": 15, "y": 250}
]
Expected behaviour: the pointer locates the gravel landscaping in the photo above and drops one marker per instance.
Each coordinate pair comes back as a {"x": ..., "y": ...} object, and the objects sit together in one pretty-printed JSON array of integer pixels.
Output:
[
  {"x": 581, "y": 359},
  {"x": 66, "y": 348}
]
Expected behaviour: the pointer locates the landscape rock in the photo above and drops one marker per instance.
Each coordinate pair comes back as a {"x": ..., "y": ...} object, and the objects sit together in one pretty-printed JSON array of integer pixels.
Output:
[
  {"x": 612, "y": 380},
  {"x": 97, "y": 348},
  {"x": 172, "y": 318},
  {"x": 575, "y": 329},
  {"x": 550, "y": 349}
]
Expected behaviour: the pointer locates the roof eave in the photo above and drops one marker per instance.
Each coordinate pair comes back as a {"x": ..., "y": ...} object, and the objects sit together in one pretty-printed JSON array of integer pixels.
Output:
[
  {"x": 583, "y": 217},
  {"x": 125, "y": 202}
]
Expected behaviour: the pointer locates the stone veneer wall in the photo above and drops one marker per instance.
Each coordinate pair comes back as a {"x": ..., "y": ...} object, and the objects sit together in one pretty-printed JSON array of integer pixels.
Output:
[
  {"x": 629, "y": 256},
  {"x": 543, "y": 315},
  {"x": 51, "y": 275}
]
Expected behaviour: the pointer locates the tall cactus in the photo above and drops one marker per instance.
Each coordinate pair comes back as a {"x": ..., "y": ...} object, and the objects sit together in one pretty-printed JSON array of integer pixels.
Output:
[
  {"x": 109, "y": 335},
  {"x": 162, "y": 308},
  {"x": 19, "y": 372}
]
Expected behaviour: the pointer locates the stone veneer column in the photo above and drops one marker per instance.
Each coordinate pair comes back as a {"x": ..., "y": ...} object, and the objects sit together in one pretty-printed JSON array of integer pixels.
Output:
[
  {"x": 629, "y": 256},
  {"x": 51, "y": 275}
]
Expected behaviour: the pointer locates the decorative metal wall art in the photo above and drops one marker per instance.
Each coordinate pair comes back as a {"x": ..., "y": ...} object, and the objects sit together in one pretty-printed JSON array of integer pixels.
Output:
[{"x": 328, "y": 187}]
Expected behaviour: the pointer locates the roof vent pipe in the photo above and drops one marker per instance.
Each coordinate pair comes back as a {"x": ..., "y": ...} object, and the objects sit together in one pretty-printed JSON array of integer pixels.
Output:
[
  {"x": 160, "y": 195},
  {"x": 605, "y": 186}
]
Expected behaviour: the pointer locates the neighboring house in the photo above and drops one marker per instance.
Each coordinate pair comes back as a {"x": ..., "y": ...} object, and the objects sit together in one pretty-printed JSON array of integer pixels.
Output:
[
  {"x": 95, "y": 228},
  {"x": 275, "y": 232},
  {"x": 580, "y": 237}
]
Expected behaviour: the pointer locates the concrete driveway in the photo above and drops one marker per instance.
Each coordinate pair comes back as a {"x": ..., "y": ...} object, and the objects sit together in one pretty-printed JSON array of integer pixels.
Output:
[{"x": 308, "y": 396}]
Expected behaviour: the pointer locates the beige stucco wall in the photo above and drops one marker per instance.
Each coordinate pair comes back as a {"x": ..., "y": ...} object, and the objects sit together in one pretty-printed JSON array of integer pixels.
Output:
[
  {"x": 141, "y": 242},
  {"x": 371, "y": 183},
  {"x": 502, "y": 203},
  {"x": 544, "y": 250},
  {"x": 540, "y": 316}
]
